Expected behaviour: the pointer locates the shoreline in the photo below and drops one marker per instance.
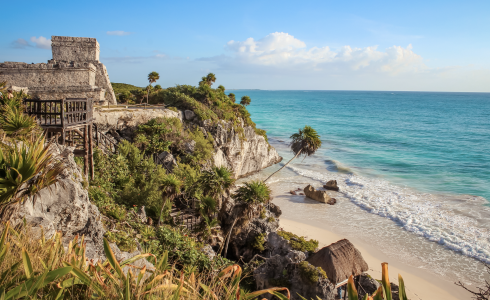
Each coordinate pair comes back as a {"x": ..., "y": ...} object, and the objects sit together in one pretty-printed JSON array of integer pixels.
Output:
[{"x": 421, "y": 284}]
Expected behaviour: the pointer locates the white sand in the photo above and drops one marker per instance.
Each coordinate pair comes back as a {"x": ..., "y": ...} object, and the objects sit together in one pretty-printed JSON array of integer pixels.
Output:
[{"x": 420, "y": 283}]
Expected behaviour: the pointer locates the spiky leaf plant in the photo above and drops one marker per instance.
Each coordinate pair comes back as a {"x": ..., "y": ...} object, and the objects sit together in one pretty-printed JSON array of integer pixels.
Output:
[
  {"x": 15, "y": 123},
  {"x": 26, "y": 168},
  {"x": 383, "y": 292}
]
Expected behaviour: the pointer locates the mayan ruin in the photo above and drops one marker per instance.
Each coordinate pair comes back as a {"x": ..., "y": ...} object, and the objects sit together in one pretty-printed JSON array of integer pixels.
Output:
[{"x": 74, "y": 72}]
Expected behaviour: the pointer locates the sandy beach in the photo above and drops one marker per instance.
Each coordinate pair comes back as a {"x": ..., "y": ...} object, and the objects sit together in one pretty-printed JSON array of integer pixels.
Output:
[{"x": 420, "y": 283}]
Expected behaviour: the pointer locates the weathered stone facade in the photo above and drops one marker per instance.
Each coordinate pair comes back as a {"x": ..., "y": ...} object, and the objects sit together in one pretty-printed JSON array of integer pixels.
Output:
[{"x": 74, "y": 72}]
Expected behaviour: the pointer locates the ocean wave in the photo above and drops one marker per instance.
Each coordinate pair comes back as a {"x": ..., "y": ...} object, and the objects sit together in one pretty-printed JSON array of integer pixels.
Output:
[{"x": 428, "y": 215}]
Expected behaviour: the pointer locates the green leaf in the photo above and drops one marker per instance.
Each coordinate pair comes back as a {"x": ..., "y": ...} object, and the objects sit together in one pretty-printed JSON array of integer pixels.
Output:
[
  {"x": 55, "y": 274},
  {"x": 112, "y": 260},
  {"x": 27, "y": 263},
  {"x": 401, "y": 290},
  {"x": 85, "y": 279},
  {"x": 351, "y": 289},
  {"x": 280, "y": 296}
]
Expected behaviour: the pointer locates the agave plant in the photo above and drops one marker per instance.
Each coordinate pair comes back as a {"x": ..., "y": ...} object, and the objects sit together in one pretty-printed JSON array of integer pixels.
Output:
[
  {"x": 25, "y": 169},
  {"x": 383, "y": 292},
  {"x": 14, "y": 122}
]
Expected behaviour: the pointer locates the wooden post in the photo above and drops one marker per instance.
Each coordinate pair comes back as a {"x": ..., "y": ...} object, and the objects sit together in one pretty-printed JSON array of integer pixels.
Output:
[
  {"x": 345, "y": 292},
  {"x": 62, "y": 121},
  {"x": 91, "y": 151},
  {"x": 85, "y": 146}
]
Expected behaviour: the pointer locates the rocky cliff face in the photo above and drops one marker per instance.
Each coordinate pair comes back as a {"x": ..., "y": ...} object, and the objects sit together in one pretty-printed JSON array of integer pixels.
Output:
[
  {"x": 65, "y": 207},
  {"x": 243, "y": 152}
]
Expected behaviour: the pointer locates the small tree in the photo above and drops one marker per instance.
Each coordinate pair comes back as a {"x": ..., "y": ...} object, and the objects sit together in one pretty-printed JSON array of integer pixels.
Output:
[
  {"x": 232, "y": 97},
  {"x": 152, "y": 78},
  {"x": 208, "y": 80},
  {"x": 305, "y": 142},
  {"x": 171, "y": 188},
  {"x": 245, "y": 101},
  {"x": 221, "y": 88}
]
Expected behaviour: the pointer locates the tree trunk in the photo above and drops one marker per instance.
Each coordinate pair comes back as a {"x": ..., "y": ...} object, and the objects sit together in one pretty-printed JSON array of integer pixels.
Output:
[
  {"x": 284, "y": 165},
  {"x": 147, "y": 95},
  {"x": 228, "y": 237},
  {"x": 161, "y": 211}
]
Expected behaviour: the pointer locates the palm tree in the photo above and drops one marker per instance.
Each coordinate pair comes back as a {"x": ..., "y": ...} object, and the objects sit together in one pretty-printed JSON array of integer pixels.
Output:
[
  {"x": 250, "y": 195},
  {"x": 305, "y": 142},
  {"x": 25, "y": 169},
  {"x": 216, "y": 181},
  {"x": 208, "y": 80},
  {"x": 171, "y": 188},
  {"x": 152, "y": 77},
  {"x": 245, "y": 101}
]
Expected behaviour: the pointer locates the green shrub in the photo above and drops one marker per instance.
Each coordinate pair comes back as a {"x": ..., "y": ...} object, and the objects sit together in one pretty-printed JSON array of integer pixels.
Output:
[
  {"x": 299, "y": 243},
  {"x": 262, "y": 214},
  {"x": 185, "y": 250},
  {"x": 271, "y": 219},
  {"x": 173, "y": 109},
  {"x": 310, "y": 273},
  {"x": 203, "y": 150},
  {"x": 259, "y": 242}
]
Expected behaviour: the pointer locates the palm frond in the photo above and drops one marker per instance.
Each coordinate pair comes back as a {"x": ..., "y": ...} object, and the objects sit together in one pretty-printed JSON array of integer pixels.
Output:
[{"x": 307, "y": 141}]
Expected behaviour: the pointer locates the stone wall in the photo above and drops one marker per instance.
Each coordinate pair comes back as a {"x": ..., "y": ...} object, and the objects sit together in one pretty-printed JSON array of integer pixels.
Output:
[
  {"x": 75, "y": 64},
  {"x": 78, "y": 49},
  {"x": 53, "y": 74}
]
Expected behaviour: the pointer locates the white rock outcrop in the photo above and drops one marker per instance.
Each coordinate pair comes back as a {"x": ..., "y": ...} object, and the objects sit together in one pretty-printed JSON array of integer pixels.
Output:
[{"x": 245, "y": 153}]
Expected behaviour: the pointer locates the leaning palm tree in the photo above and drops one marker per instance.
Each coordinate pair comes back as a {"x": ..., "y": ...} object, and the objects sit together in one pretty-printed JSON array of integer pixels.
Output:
[
  {"x": 25, "y": 169},
  {"x": 171, "y": 188},
  {"x": 305, "y": 142},
  {"x": 152, "y": 78}
]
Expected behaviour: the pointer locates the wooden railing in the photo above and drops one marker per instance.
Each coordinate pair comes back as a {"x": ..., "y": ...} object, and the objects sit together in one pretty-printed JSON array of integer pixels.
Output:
[{"x": 60, "y": 113}]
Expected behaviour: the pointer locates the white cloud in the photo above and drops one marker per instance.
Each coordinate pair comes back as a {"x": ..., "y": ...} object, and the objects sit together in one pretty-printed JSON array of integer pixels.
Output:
[
  {"x": 41, "y": 42},
  {"x": 118, "y": 32},
  {"x": 20, "y": 43},
  {"x": 284, "y": 51}
]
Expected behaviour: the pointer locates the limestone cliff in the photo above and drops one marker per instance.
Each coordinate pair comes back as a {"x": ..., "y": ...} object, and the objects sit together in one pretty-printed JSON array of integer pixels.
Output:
[{"x": 244, "y": 152}]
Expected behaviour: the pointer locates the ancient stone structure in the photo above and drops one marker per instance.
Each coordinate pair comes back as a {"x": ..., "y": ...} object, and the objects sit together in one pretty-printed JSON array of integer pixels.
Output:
[{"x": 74, "y": 72}]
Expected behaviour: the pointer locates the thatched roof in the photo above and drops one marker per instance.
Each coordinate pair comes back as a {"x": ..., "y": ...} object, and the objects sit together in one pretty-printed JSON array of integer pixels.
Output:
[{"x": 339, "y": 261}]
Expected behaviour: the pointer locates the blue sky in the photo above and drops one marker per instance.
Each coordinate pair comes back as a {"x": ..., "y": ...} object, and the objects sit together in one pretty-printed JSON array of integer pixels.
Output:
[{"x": 354, "y": 45}]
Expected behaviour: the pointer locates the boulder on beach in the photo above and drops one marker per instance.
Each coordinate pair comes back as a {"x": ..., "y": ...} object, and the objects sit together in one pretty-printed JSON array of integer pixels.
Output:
[
  {"x": 339, "y": 261},
  {"x": 320, "y": 196},
  {"x": 331, "y": 185}
]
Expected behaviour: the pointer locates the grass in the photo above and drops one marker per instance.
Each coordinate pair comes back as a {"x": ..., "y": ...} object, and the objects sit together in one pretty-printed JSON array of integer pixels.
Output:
[{"x": 299, "y": 243}]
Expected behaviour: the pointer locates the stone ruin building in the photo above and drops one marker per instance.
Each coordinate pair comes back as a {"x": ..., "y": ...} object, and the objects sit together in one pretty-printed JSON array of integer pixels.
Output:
[{"x": 74, "y": 72}]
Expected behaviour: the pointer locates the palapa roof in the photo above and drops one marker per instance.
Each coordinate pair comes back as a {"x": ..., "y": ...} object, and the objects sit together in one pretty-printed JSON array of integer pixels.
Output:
[{"x": 339, "y": 261}]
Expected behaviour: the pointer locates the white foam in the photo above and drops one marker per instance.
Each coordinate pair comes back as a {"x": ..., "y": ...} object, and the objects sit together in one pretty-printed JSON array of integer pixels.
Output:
[{"x": 432, "y": 216}]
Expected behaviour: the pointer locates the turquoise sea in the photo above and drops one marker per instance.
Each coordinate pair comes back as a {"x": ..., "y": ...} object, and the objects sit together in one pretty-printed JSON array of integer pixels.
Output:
[
  {"x": 435, "y": 142},
  {"x": 416, "y": 164}
]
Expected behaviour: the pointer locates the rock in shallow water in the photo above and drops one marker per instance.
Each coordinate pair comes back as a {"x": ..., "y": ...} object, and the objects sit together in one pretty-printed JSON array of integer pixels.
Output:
[
  {"x": 332, "y": 185},
  {"x": 321, "y": 196}
]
